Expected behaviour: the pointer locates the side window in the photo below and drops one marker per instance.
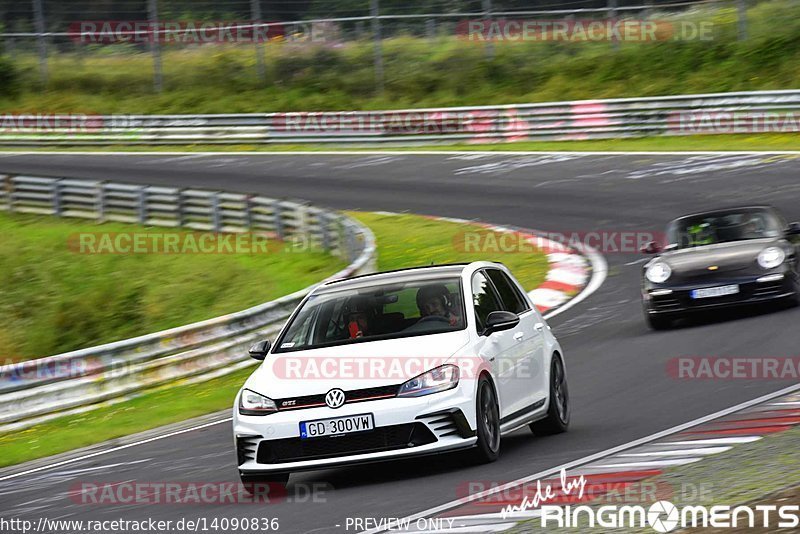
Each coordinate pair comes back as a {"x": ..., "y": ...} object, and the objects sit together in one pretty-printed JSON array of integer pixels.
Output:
[
  {"x": 483, "y": 298},
  {"x": 509, "y": 294}
]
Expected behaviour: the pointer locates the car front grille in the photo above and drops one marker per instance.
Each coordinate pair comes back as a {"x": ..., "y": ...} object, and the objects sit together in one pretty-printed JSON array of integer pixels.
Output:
[
  {"x": 769, "y": 289},
  {"x": 666, "y": 303},
  {"x": 380, "y": 439},
  {"x": 355, "y": 395}
]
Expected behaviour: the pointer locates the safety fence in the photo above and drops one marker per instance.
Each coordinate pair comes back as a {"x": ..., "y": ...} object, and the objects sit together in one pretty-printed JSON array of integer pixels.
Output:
[
  {"x": 717, "y": 113},
  {"x": 37, "y": 390}
]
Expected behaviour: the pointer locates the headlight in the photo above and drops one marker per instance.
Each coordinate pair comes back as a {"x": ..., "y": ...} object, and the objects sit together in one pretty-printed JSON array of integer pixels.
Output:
[
  {"x": 771, "y": 257},
  {"x": 251, "y": 403},
  {"x": 436, "y": 380},
  {"x": 658, "y": 272}
]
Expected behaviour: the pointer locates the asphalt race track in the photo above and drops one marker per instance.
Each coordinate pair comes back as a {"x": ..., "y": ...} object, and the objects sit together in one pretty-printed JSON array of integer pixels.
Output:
[{"x": 617, "y": 368}]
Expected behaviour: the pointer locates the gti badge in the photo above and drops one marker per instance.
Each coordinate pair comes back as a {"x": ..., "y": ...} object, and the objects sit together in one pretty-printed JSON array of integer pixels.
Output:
[{"x": 334, "y": 398}]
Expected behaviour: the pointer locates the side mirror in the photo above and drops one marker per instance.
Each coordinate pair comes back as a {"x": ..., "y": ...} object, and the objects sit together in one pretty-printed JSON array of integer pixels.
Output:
[
  {"x": 499, "y": 321},
  {"x": 259, "y": 350},
  {"x": 651, "y": 248},
  {"x": 793, "y": 229}
]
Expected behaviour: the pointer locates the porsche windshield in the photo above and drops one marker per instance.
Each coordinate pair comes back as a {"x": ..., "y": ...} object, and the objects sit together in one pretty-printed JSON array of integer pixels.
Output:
[
  {"x": 724, "y": 227},
  {"x": 378, "y": 312}
]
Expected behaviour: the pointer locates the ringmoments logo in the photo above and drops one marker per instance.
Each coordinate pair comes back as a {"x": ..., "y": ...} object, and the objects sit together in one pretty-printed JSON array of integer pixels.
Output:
[{"x": 664, "y": 516}]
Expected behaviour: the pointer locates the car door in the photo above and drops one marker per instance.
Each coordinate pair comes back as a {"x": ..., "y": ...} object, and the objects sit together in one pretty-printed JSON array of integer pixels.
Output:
[
  {"x": 528, "y": 381},
  {"x": 498, "y": 348}
]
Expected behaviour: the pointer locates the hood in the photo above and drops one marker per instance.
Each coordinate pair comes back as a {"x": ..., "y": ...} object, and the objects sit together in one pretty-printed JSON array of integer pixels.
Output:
[
  {"x": 733, "y": 258},
  {"x": 353, "y": 366}
]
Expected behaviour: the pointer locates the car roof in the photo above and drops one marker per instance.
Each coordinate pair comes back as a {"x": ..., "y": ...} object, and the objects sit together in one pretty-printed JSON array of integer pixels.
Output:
[
  {"x": 727, "y": 210},
  {"x": 449, "y": 270}
]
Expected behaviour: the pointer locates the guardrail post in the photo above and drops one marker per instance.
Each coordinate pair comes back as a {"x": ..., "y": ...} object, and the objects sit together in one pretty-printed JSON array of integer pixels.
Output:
[
  {"x": 248, "y": 212},
  {"x": 57, "y": 198},
  {"x": 142, "y": 207},
  {"x": 326, "y": 235},
  {"x": 216, "y": 221},
  {"x": 180, "y": 208},
  {"x": 350, "y": 240},
  {"x": 277, "y": 213},
  {"x": 8, "y": 186},
  {"x": 100, "y": 202}
]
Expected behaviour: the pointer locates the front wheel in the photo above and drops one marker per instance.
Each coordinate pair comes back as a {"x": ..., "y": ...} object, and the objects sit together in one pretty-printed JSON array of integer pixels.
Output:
[
  {"x": 488, "y": 422},
  {"x": 558, "y": 413}
]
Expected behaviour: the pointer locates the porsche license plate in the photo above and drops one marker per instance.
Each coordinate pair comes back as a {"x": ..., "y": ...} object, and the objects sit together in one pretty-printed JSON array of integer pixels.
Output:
[
  {"x": 709, "y": 292},
  {"x": 336, "y": 426}
]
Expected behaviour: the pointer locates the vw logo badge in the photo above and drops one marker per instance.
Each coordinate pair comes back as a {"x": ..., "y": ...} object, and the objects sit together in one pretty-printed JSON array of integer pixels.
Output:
[{"x": 334, "y": 398}]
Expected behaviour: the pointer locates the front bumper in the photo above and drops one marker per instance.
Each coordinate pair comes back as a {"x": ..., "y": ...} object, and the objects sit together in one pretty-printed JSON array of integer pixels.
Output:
[
  {"x": 751, "y": 291},
  {"x": 403, "y": 427}
]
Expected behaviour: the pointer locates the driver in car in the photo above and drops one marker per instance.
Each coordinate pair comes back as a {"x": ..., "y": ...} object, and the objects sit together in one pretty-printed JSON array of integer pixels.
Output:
[
  {"x": 433, "y": 302},
  {"x": 358, "y": 314}
]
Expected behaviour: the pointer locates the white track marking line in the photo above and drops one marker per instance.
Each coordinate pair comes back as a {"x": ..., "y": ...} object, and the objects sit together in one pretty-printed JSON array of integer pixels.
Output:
[
  {"x": 597, "y": 456},
  {"x": 405, "y": 153},
  {"x": 113, "y": 449},
  {"x": 716, "y": 441},
  {"x": 682, "y": 452},
  {"x": 655, "y": 463}
]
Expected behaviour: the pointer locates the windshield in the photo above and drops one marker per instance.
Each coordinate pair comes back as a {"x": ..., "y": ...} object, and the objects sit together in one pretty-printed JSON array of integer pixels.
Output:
[
  {"x": 724, "y": 227},
  {"x": 379, "y": 312}
]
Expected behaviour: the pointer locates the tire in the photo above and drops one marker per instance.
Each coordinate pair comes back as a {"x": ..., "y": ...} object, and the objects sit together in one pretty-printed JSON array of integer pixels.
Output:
[
  {"x": 272, "y": 480},
  {"x": 658, "y": 322},
  {"x": 558, "y": 412},
  {"x": 487, "y": 449}
]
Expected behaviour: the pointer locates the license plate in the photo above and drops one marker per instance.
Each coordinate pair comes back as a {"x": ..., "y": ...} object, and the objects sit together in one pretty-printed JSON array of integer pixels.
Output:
[
  {"x": 336, "y": 426},
  {"x": 720, "y": 291}
]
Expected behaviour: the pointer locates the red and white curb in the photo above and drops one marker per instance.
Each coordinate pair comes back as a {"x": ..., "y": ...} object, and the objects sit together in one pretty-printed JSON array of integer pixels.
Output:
[
  {"x": 611, "y": 472},
  {"x": 571, "y": 272}
]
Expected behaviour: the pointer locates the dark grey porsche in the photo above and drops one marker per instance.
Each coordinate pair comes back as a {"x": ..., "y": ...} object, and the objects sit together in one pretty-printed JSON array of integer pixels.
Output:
[{"x": 727, "y": 257}]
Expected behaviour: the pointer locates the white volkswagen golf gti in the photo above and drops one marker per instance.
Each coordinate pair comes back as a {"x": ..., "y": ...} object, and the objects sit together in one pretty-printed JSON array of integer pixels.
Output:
[{"x": 404, "y": 363}]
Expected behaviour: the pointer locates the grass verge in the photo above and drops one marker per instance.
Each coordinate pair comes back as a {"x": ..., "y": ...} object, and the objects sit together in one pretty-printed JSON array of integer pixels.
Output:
[
  {"x": 403, "y": 241},
  {"x": 691, "y": 143},
  {"x": 56, "y": 299}
]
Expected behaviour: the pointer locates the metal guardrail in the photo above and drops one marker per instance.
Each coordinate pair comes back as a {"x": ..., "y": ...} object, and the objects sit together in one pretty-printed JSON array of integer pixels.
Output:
[
  {"x": 38, "y": 390},
  {"x": 573, "y": 120}
]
